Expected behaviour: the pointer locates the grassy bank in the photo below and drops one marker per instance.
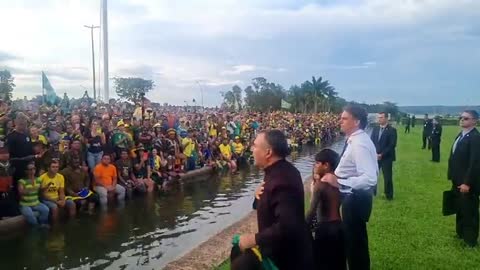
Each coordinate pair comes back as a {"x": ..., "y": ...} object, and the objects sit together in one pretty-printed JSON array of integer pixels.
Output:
[{"x": 410, "y": 231}]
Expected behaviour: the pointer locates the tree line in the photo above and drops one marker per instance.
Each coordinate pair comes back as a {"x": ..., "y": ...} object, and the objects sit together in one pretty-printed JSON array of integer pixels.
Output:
[
  {"x": 317, "y": 95},
  {"x": 311, "y": 96}
]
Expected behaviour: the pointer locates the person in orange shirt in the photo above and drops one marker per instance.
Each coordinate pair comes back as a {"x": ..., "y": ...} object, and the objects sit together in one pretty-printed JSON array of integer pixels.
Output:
[{"x": 106, "y": 181}]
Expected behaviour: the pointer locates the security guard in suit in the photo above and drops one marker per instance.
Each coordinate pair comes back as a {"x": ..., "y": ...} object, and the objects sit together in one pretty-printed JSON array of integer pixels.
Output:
[
  {"x": 427, "y": 131},
  {"x": 384, "y": 137},
  {"x": 435, "y": 140},
  {"x": 464, "y": 172}
]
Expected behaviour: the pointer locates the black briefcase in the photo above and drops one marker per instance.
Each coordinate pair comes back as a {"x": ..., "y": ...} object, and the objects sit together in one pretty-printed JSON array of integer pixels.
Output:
[{"x": 450, "y": 203}]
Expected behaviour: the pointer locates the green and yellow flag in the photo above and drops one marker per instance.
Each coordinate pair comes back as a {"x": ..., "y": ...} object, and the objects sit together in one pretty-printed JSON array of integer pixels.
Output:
[
  {"x": 285, "y": 105},
  {"x": 50, "y": 95}
]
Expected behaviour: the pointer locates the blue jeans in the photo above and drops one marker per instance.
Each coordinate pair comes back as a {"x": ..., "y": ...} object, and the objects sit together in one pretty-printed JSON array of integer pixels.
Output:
[
  {"x": 42, "y": 209},
  {"x": 93, "y": 159},
  {"x": 191, "y": 164},
  {"x": 53, "y": 205}
]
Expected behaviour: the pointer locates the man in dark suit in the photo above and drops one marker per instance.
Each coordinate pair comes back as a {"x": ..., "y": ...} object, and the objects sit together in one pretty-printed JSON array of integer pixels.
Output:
[
  {"x": 384, "y": 136},
  {"x": 407, "y": 124},
  {"x": 413, "y": 121},
  {"x": 283, "y": 235},
  {"x": 427, "y": 131},
  {"x": 436, "y": 139},
  {"x": 464, "y": 172}
]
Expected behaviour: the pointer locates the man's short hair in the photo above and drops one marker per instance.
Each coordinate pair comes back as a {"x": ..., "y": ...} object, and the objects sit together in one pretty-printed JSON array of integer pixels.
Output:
[
  {"x": 53, "y": 162},
  {"x": 472, "y": 113},
  {"x": 277, "y": 141},
  {"x": 359, "y": 113},
  {"x": 384, "y": 114},
  {"x": 328, "y": 156}
]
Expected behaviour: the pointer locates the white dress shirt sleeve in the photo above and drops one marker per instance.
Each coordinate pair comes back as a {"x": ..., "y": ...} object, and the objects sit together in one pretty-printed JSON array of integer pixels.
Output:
[{"x": 366, "y": 168}]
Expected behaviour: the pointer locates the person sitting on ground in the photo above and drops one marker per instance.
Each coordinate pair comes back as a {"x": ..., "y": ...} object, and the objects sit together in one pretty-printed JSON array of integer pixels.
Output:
[
  {"x": 239, "y": 151},
  {"x": 323, "y": 216},
  {"x": 176, "y": 158},
  {"x": 142, "y": 171},
  {"x": 188, "y": 149},
  {"x": 105, "y": 175},
  {"x": 77, "y": 183},
  {"x": 157, "y": 164},
  {"x": 28, "y": 189},
  {"x": 8, "y": 203},
  {"x": 226, "y": 151},
  {"x": 53, "y": 191},
  {"x": 126, "y": 177}
]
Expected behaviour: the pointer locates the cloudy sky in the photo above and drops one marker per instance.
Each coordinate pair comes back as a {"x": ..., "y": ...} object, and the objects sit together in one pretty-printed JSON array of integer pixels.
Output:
[{"x": 413, "y": 52}]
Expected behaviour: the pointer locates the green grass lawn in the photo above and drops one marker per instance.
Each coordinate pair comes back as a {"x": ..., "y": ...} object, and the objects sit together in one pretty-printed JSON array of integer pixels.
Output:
[{"x": 410, "y": 231}]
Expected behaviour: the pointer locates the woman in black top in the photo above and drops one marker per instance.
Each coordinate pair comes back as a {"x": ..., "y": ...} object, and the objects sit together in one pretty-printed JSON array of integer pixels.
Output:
[{"x": 95, "y": 140}]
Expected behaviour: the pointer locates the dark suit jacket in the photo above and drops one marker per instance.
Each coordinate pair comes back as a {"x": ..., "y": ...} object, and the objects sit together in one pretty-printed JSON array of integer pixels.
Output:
[
  {"x": 436, "y": 136},
  {"x": 283, "y": 234},
  {"x": 427, "y": 127},
  {"x": 387, "y": 143},
  {"x": 464, "y": 163}
]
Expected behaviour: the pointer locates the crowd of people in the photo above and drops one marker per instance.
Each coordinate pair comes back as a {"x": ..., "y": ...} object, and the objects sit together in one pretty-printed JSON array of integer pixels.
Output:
[
  {"x": 60, "y": 160},
  {"x": 333, "y": 233}
]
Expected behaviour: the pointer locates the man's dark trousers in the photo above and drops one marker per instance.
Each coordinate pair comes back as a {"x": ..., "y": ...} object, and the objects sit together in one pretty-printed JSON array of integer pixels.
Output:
[
  {"x": 386, "y": 167},
  {"x": 467, "y": 220},
  {"x": 426, "y": 141},
  {"x": 356, "y": 209},
  {"x": 436, "y": 152}
]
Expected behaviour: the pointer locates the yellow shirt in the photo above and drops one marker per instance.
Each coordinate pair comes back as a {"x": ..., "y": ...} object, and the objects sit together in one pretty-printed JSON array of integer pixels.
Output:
[
  {"x": 238, "y": 147},
  {"x": 156, "y": 163},
  {"x": 212, "y": 130},
  {"x": 226, "y": 150},
  {"x": 41, "y": 139},
  {"x": 188, "y": 149},
  {"x": 52, "y": 185}
]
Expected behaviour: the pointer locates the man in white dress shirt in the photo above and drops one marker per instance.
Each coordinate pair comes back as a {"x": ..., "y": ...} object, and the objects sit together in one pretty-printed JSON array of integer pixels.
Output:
[{"x": 356, "y": 176}]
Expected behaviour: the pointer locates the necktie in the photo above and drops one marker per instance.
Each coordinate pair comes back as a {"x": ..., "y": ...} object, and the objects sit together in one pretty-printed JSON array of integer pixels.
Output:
[
  {"x": 456, "y": 142},
  {"x": 380, "y": 133}
]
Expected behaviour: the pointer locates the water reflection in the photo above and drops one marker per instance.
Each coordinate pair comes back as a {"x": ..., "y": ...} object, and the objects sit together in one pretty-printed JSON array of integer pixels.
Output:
[{"x": 148, "y": 232}]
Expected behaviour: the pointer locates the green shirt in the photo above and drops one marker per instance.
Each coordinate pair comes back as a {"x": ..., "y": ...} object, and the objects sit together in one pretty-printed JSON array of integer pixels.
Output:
[
  {"x": 30, "y": 198},
  {"x": 120, "y": 140}
]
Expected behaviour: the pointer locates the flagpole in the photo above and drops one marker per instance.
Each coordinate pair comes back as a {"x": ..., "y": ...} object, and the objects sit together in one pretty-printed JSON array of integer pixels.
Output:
[
  {"x": 106, "y": 95},
  {"x": 43, "y": 90}
]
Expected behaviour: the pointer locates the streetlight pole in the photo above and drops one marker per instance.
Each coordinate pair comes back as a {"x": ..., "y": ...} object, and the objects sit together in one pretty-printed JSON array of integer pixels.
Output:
[
  {"x": 201, "y": 91},
  {"x": 93, "y": 59}
]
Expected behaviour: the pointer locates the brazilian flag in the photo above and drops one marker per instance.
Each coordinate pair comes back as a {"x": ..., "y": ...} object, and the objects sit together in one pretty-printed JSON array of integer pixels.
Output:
[{"x": 50, "y": 95}]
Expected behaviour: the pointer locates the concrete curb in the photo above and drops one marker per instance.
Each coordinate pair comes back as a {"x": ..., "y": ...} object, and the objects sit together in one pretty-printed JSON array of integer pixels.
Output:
[{"x": 216, "y": 250}]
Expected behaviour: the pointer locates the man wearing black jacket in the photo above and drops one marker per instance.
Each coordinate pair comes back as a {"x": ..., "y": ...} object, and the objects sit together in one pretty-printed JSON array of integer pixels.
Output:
[
  {"x": 283, "y": 235},
  {"x": 427, "y": 131},
  {"x": 464, "y": 172},
  {"x": 436, "y": 139},
  {"x": 384, "y": 136}
]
